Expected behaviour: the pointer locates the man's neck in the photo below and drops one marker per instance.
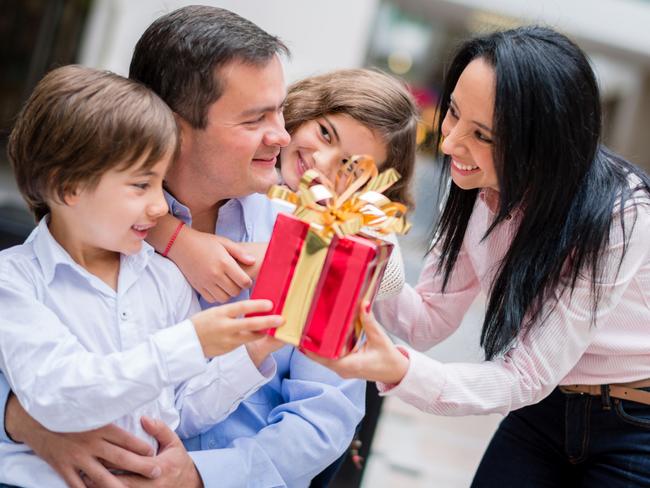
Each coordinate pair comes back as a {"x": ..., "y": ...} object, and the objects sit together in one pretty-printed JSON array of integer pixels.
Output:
[{"x": 204, "y": 210}]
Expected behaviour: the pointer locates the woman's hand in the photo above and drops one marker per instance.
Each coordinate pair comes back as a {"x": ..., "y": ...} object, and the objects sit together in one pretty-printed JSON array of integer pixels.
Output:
[
  {"x": 378, "y": 359},
  {"x": 212, "y": 264}
]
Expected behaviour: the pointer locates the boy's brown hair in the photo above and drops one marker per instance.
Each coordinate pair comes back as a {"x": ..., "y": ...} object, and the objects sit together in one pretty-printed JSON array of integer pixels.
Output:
[
  {"x": 376, "y": 100},
  {"x": 80, "y": 123}
]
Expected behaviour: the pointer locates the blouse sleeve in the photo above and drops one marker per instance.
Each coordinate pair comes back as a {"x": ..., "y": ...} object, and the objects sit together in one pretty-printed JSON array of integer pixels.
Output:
[
  {"x": 424, "y": 316},
  {"x": 542, "y": 357}
]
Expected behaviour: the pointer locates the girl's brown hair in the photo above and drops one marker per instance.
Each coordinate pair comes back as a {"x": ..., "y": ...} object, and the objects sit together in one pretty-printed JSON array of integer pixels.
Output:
[
  {"x": 375, "y": 99},
  {"x": 79, "y": 123}
]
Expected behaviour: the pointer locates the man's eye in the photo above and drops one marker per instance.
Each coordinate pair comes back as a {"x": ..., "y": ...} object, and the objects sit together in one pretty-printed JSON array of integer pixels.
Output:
[
  {"x": 325, "y": 133},
  {"x": 255, "y": 121}
]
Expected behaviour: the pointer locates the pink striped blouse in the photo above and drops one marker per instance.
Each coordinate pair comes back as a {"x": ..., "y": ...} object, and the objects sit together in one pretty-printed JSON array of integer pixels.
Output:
[{"x": 566, "y": 349}]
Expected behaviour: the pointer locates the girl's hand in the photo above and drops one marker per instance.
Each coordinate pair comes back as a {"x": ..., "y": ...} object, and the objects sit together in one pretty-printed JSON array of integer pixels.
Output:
[
  {"x": 212, "y": 264},
  {"x": 256, "y": 250},
  {"x": 378, "y": 359},
  {"x": 222, "y": 329}
]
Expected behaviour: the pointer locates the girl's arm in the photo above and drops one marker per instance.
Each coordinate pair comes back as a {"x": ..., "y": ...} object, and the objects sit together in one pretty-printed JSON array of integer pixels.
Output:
[{"x": 211, "y": 264}]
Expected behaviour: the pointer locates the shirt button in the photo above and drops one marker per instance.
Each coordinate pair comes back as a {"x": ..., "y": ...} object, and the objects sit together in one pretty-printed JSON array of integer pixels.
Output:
[
  {"x": 123, "y": 315},
  {"x": 212, "y": 444}
]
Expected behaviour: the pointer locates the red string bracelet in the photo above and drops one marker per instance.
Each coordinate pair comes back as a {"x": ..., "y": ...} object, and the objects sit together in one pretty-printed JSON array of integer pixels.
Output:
[{"x": 173, "y": 238}]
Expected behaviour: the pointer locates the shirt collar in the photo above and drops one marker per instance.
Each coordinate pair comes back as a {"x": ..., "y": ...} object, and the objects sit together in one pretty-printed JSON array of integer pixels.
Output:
[
  {"x": 242, "y": 210},
  {"x": 51, "y": 254}
]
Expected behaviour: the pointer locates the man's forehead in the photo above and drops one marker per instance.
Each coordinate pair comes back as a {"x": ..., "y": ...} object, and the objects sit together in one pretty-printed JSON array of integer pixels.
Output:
[{"x": 252, "y": 88}]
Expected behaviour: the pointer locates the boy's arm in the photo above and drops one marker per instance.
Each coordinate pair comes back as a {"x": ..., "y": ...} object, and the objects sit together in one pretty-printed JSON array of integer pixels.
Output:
[
  {"x": 310, "y": 429},
  {"x": 211, "y": 264},
  {"x": 49, "y": 371}
]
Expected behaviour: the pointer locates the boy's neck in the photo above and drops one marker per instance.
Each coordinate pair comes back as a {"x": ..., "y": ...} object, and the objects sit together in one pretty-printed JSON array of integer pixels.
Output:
[{"x": 102, "y": 263}]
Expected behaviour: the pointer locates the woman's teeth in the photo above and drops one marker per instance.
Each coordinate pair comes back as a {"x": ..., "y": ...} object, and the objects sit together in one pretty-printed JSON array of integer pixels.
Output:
[{"x": 464, "y": 167}]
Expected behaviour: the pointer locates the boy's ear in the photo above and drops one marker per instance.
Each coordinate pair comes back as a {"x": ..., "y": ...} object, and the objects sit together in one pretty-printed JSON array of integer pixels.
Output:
[{"x": 71, "y": 198}]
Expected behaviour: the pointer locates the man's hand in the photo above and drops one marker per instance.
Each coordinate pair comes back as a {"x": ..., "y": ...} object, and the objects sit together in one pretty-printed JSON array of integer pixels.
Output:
[
  {"x": 212, "y": 264},
  {"x": 175, "y": 464},
  {"x": 70, "y": 454}
]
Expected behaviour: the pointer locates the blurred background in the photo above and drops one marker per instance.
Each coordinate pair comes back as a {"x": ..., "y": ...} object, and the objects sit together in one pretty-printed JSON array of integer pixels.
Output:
[{"x": 412, "y": 39}]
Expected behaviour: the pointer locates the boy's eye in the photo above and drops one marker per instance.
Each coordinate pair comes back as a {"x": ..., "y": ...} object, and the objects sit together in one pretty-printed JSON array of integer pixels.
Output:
[
  {"x": 141, "y": 186},
  {"x": 325, "y": 133}
]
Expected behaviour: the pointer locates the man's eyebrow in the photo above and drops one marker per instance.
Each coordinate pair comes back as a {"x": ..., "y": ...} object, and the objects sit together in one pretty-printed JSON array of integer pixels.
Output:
[{"x": 333, "y": 127}]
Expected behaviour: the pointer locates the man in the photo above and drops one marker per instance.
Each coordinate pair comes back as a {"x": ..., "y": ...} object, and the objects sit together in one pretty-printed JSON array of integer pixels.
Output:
[{"x": 223, "y": 78}]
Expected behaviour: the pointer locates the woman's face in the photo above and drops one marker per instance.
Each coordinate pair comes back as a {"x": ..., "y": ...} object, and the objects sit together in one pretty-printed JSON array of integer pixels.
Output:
[
  {"x": 322, "y": 144},
  {"x": 467, "y": 128}
]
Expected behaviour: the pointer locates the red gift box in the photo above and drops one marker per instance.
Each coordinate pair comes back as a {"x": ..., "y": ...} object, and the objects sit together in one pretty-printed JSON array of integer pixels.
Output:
[{"x": 317, "y": 286}]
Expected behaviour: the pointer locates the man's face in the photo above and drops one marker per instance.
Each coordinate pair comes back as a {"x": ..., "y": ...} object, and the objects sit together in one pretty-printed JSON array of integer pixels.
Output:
[{"x": 235, "y": 154}]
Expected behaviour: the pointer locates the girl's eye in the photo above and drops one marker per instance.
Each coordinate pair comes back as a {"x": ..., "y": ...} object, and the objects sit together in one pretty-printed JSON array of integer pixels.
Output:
[
  {"x": 325, "y": 133},
  {"x": 482, "y": 137}
]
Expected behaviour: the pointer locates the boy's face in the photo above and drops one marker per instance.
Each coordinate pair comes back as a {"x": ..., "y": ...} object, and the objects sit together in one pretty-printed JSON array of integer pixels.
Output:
[
  {"x": 116, "y": 214},
  {"x": 235, "y": 154}
]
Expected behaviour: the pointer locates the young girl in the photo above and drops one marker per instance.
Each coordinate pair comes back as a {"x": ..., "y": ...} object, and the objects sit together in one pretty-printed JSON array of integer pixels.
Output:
[
  {"x": 554, "y": 228},
  {"x": 330, "y": 117}
]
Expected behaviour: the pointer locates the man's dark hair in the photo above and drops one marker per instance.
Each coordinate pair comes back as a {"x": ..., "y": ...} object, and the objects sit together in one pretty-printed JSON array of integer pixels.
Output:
[{"x": 179, "y": 55}]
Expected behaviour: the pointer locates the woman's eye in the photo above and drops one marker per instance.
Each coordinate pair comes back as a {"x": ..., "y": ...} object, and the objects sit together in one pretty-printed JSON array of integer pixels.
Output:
[
  {"x": 325, "y": 133},
  {"x": 452, "y": 112},
  {"x": 483, "y": 138}
]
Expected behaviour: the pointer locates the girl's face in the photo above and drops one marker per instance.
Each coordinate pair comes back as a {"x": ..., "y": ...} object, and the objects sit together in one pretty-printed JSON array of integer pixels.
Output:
[
  {"x": 467, "y": 128},
  {"x": 322, "y": 144}
]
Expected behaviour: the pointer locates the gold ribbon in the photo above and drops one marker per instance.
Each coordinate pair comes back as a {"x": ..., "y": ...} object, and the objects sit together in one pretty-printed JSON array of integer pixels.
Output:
[{"x": 359, "y": 204}]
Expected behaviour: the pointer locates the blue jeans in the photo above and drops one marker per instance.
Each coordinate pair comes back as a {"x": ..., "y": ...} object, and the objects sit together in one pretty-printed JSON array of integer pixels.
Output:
[{"x": 573, "y": 440}]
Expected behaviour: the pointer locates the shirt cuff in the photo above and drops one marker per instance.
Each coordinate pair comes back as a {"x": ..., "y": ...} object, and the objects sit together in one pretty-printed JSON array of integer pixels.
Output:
[
  {"x": 4, "y": 398},
  {"x": 238, "y": 364},
  {"x": 422, "y": 383},
  {"x": 180, "y": 351}
]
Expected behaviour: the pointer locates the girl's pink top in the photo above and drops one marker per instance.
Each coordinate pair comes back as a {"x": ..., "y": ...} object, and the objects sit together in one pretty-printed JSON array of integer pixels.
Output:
[{"x": 566, "y": 349}]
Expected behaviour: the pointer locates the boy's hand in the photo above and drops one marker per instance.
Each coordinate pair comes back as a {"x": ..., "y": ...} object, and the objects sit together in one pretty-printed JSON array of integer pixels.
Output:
[
  {"x": 212, "y": 264},
  {"x": 220, "y": 330},
  {"x": 69, "y": 454},
  {"x": 376, "y": 360}
]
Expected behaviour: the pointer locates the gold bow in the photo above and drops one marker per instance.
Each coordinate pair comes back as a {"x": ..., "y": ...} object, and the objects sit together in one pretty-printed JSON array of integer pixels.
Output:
[{"x": 360, "y": 203}]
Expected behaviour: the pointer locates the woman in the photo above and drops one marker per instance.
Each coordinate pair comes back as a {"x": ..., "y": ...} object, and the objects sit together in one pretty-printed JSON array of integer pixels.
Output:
[{"x": 554, "y": 228}]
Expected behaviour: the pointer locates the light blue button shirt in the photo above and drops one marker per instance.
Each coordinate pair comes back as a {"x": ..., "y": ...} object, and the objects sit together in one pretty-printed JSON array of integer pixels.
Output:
[{"x": 294, "y": 426}]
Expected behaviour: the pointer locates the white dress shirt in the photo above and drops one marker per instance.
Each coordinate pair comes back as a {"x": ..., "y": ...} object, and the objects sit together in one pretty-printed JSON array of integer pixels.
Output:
[{"x": 80, "y": 355}]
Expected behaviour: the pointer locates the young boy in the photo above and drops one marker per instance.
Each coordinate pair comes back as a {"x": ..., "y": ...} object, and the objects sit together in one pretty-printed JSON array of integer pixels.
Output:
[{"x": 88, "y": 309}]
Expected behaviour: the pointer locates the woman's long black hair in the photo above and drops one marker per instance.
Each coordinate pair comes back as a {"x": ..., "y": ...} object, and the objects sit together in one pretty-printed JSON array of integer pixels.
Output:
[{"x": 550, "y": 164}]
